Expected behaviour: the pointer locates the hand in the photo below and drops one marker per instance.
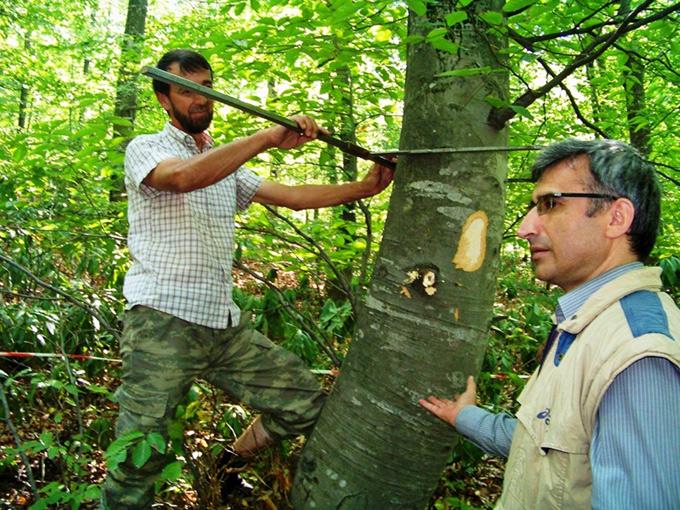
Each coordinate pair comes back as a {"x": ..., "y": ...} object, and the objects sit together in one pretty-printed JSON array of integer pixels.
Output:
[
  {"x": 377, "y": 179},
  {"x": 448, "y": 410},
  {"x": 285, "y": 138}
]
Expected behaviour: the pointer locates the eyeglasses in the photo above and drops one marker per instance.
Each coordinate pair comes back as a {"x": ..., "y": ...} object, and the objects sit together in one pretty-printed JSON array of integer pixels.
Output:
[{"x": 546, "y": 203}]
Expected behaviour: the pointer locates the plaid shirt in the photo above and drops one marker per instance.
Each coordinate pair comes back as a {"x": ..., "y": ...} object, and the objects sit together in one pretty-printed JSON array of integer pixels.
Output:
[{"x": 182, "y": 243}]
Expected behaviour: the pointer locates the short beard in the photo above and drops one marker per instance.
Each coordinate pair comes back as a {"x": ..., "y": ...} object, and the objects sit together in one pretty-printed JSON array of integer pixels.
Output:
[{"x": 191, "y": 126}]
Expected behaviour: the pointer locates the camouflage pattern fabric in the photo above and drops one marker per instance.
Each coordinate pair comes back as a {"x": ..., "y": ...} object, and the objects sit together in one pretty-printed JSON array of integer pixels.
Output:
[{"x": 163, "y": 355}]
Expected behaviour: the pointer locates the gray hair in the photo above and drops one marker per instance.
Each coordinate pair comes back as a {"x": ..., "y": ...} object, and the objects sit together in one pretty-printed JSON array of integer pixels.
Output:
[{"x": 616, "y": 168}]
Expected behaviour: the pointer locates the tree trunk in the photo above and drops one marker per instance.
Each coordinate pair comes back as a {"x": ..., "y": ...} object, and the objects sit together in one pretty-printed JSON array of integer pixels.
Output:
[
  {"x": 131, "y": 54},
  {"x": 24, "y": 92},
  {"x": 639, "y": 130},
  {"x": 423, "y": 326},
  {"x": 340, "y": 288},
  {"x": 126, "y": 88},
  {"x": 638, "y": 127}
]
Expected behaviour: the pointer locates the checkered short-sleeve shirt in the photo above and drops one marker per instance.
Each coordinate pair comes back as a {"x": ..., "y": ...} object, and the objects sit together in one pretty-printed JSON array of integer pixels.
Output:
[{"x": 182, "y": 243}]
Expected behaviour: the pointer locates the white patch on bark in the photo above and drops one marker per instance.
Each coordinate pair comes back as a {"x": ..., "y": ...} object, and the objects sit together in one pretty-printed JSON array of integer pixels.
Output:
[
  {"x": 439, "y": 191},
  {"x": 379, "y": 306},
  {"x": 472, "y": 245},
  {"x": 455, "y": 213},
  {"x": 458, "y": 379}
]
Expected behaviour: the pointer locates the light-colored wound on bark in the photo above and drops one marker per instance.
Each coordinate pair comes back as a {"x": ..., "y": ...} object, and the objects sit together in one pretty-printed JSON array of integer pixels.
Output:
[{"x": 472, "y": 245}]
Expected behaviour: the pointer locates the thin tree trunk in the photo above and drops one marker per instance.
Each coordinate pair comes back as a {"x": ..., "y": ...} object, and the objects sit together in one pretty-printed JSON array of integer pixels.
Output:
[
  {"x": 639, "y": 131},
  {"x": 131, "y": 54},
  {"x": 24, "y": 92},
  {"x": 339, "y": 290},
  {"x": 126, "y": 88},
  {"x": 423, "y": 327}
]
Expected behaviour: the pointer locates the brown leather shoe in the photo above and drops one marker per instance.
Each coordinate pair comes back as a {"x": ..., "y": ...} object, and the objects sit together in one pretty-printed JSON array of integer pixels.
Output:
[{"x": 253, "y": 439}]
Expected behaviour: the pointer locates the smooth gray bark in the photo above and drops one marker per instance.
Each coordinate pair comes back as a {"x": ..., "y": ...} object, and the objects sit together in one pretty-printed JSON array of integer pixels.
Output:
[{"x": 423, "y": 326}]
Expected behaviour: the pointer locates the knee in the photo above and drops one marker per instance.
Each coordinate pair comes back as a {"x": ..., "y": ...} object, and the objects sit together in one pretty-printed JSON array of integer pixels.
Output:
[{"x": 297, "y": 419}]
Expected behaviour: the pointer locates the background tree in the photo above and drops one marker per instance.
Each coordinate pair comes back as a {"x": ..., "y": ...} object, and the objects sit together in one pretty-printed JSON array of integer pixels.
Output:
[{"x": 132, "y": 43}]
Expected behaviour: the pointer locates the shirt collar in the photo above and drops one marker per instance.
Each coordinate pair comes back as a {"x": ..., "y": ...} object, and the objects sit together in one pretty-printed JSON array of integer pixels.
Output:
[
  {"x": 569, "y": 304},
  {"x": 186, "y": 138}
]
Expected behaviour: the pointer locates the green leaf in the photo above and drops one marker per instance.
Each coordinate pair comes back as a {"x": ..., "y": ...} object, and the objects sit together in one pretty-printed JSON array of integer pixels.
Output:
[
  {"x": 156, "y": 441},
  {"x": 172, "y": 471},
  {"x": 176, "y": 430},
  {"x": 95, "y": 388},
  {"x": 492, "y": 17},
  {"x": 521, "y": 110},
  {"x": 20, "y": 153},
  {"x": 382, "y": 34},
  {"x": 417, "y": 6},
  {"x": 516, "y": 5},
  {"x": 436, "y": 33},
  {"x": 456, "y": 17},
  {"x": 470, "y": 71},
  {"x": 112, "y": 461},
  {"x": 437, "y": 38},
  {"x": 122, "y": 443},
  {"x": 141, "y": 453},
  {"x": 495, "y": 102}
]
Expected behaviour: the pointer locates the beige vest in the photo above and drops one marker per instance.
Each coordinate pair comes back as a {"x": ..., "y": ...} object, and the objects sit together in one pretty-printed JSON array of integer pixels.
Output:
[{"x": 548, "y": 466}]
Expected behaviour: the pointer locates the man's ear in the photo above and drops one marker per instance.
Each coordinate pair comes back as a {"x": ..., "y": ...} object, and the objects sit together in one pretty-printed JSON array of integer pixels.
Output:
[
  {"x": 164, "y": 101},
  {"x": 621, "y": 215}
]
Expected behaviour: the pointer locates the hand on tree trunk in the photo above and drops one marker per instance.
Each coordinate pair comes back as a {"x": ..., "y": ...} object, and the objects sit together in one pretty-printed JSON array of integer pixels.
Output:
[{"x": 447, "y": 410}]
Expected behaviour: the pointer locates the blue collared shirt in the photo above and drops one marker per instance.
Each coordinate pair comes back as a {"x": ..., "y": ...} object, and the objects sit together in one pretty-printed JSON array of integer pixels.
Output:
[{"x": 623, "y": 448}]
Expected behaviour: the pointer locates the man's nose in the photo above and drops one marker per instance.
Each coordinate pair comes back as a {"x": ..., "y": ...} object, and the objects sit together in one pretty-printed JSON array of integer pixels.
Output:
[
  {"x": 529, "y": 225},
  {"x": 200, "y": 98}
]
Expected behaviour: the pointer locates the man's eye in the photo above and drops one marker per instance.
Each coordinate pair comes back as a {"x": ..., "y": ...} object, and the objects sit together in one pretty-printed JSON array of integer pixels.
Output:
[{"x": 546, "y": 203}]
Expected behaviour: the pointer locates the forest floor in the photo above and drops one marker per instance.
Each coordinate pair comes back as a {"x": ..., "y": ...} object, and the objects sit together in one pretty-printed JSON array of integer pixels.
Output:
[{"x": 46, "y": 420}]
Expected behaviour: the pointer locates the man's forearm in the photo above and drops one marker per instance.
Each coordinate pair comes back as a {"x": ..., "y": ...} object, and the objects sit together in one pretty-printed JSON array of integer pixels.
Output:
[
  {"x": 490, "y": 432},
  {"x": 202, "y": 170},
  {"x": 314, "y": 196},
  {"x": 310, "y": 196}
]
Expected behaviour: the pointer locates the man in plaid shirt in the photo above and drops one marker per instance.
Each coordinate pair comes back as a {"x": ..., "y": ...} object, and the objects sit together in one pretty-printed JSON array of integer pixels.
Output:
[{"x": 181, "y": 322}]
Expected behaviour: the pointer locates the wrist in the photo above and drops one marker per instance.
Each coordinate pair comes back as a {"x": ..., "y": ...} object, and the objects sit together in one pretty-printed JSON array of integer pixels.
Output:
[
  {"x": 266, "y": 138},
  {"x": 361, "y": 190}
]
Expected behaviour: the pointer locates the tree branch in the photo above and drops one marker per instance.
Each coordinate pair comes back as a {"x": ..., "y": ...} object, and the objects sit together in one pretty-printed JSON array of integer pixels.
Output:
[
  {"x": 17, "y": 441},
  {"x": 573, "y": 102},
  {"x": 528, "y": 42},
  {"x": 294, "y": 313},
  {"x": 63, "y": 294},
  {"x": 499, "y": 116},
  {"x": 322, "y": 253}
]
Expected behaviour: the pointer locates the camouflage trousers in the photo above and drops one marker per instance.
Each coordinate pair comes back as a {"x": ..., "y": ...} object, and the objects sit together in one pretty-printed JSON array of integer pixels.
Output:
[{"x": 163, "y": 355}]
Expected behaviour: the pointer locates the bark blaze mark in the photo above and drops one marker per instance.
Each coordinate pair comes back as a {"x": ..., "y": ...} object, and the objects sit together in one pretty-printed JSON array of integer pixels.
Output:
[
  {"x": 422, "y": 279},
  {"x": 472, "y": 245}
]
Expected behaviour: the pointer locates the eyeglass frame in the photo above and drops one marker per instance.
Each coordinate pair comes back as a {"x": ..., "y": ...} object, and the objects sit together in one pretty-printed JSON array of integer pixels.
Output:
[{"x": 541, "y": 210}]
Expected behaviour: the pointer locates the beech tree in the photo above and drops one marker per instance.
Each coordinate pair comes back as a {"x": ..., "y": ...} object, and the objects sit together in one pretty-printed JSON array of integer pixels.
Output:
[{"x": 423, "y": 325}]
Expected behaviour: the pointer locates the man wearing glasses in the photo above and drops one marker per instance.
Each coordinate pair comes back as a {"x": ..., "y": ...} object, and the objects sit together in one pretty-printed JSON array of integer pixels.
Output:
[{"x": 598, "y": 424}]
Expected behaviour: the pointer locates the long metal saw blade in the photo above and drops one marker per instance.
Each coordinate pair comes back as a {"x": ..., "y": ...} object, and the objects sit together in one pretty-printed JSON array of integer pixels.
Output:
[{"x": 348, "y": 147}]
